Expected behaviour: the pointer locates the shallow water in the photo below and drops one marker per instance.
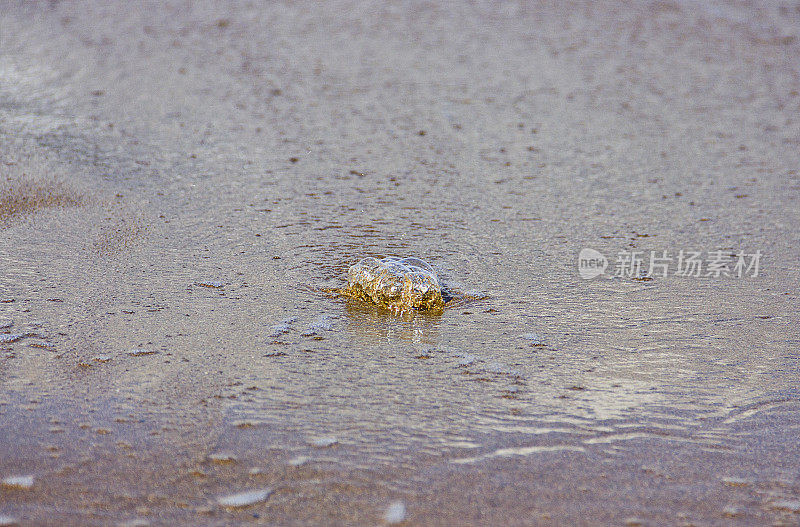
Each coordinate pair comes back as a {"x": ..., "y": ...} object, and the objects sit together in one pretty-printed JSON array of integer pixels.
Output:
[{"x": 168, "y": 348}]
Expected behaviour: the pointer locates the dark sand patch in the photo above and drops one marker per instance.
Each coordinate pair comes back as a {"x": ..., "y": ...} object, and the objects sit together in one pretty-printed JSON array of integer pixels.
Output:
[{"x": 27, "y": 194}]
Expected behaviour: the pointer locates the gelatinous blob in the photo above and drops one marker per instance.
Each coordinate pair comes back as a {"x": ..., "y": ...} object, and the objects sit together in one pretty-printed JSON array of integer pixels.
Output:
[{"x": 396, "y": 283}]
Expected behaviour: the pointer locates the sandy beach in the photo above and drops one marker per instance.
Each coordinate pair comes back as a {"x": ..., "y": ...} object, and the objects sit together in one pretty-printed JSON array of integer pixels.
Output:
[{"x": 182, "y": 184}]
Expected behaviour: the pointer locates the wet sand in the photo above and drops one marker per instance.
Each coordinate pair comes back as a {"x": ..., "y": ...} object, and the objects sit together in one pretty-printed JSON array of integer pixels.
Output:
[{"x": 180, "y": 182}]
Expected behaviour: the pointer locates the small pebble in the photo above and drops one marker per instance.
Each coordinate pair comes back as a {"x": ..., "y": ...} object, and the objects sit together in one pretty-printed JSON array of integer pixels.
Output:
[
  {"x": 101, "y": 358},
  {"x": 787, "y": 505},
  {"x": 496, "y": 367},
  {"x": 279, "y": 329},
  {"x": 18, "y": 482},
  {"x": 323, "y": 442},
  {"x": 395, "y": 513},
  {"x": 212, "y": 284},
  {"x": 140, "y": 352},
  {"x": 6, "y": 323},
  {"x": 11, "y": 337},
  {"x": 297, "y": 461},
  {"x": 243, "y": 499},
  {"x": 222, "y": 458},
  {"x": 534, "y": 339},
  {"x": 466, "y": 360},
  {"x": 42, "y": 344},
  {"x": 735, "y": 482},
  {"x": 322, "y": 322},
  {"x": 136, "y": 522},
  {"x": 8, "y": 521}
]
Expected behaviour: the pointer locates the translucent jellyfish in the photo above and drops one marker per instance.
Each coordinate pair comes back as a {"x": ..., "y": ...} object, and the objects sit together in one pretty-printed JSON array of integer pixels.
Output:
[{"x": 396, "y": 283}]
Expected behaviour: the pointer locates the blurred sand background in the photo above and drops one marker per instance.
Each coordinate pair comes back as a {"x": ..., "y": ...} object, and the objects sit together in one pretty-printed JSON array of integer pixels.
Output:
[{"x": 177, "y": 177}]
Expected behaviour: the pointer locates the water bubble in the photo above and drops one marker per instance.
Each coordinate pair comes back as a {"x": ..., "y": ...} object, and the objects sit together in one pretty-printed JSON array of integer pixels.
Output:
[
  {"x": 395, "y": 513},
  {"x": 243, "y": 499}
]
